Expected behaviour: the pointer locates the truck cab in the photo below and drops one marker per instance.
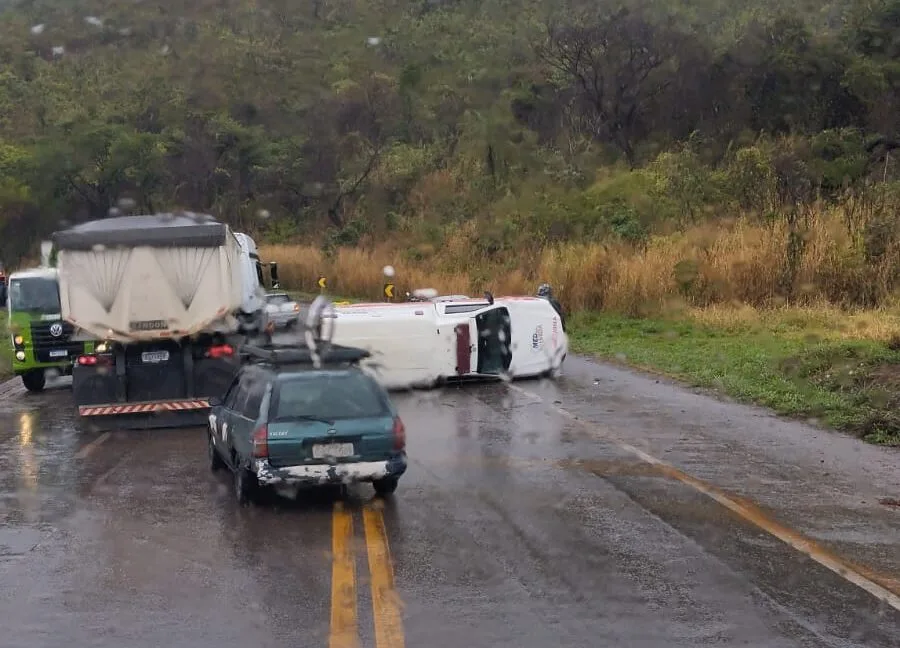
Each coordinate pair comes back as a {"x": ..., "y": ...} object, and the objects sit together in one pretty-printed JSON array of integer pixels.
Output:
[
  {"x": 41, "y": 338},
  {"x": 253, "y": 293}
]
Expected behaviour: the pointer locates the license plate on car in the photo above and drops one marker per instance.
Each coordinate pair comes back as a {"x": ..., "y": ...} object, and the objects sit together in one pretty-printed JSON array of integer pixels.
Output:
[
  {"x": 154, "y": 356},
  {"x": 58, "y": 353},
  {"x": 323, "y": 450}
]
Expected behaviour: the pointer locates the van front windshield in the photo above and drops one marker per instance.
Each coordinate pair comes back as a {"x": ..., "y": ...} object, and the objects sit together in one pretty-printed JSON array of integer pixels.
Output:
[{"x": 34, "y": 294}]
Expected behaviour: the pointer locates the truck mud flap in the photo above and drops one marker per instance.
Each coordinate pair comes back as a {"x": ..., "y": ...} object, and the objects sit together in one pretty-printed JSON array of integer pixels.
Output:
[{"x": 143, "y": 416}]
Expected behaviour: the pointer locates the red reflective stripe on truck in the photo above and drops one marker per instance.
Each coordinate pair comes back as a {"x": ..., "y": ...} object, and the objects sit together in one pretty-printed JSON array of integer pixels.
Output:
[{"x": 142, "y": 408}]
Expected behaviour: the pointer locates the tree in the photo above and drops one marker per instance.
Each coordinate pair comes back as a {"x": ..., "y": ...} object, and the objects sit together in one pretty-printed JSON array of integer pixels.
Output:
[{"x": 618, "y": 67}]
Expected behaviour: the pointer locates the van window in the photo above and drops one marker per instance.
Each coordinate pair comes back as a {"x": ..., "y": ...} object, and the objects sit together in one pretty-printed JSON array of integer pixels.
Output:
[
  {"x": 329, "y": 396},
  {"x": 464, "y": 308}
]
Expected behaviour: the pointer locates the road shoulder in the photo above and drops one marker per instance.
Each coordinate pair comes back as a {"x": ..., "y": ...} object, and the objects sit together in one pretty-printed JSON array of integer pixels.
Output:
[
  {"x": 11, "y": 388},
  {"x": 791, "y": 363},
  {"x": 832, "y": 487}
]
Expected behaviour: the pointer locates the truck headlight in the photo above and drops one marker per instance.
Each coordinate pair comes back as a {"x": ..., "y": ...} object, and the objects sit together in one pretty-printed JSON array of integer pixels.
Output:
[
  {"x": 20, "y": 356},
  {"x": 18, "y": 340}
]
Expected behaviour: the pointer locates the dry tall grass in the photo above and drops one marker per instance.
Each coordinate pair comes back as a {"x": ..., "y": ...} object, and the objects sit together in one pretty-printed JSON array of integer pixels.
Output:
[
  {"x": 738, "y": 262},
  {"x": 807, "y": 322}
]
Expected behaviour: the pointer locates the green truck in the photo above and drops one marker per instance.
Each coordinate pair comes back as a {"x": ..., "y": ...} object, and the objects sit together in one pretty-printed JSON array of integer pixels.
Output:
[{"x": 41, "y": 338}]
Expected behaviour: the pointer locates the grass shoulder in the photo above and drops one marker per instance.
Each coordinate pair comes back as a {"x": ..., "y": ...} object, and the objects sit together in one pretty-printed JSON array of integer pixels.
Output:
[
  {"x": 797, "y": 365},
  {"x": 5, "y": 349}
]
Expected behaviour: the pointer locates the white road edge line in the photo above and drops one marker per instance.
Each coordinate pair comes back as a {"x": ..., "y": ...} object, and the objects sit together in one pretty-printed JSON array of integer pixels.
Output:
[{"x": 793, "y": 539}]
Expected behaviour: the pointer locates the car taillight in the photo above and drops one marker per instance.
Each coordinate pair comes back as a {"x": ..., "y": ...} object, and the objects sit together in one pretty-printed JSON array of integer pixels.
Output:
[
  {"x": 296, "y": 308},
  {"x": 260, "y": 443},
  {"x": 399, "y": 434},
  {"x": 220, "y": 351},
  {"x": 89, "y": 360}
]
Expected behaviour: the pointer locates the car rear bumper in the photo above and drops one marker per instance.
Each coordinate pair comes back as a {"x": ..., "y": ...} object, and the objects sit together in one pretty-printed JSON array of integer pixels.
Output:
[
  {"x": 283, "y": 319},
  {"x": 313, "y": 474}
]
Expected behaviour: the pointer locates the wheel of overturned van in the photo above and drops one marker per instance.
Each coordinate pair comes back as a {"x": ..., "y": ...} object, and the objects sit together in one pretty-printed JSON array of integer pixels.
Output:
[
  {"x": 246, "y": 486},
  {"x": 386, "y": 485},
  {"x": 34, "y": 380},
  {"x": 215, "y": 461}
]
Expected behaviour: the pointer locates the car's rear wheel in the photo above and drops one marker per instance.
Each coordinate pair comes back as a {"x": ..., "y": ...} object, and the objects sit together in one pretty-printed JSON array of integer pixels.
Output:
[
  {"x": 246, "y": 486},
  {"x": 215, "y": 461},
  {"x": 386, "y": 485}
]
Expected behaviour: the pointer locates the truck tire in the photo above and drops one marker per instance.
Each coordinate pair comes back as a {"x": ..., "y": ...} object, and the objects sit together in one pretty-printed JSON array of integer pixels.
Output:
[{"x": 35, "y": 380}]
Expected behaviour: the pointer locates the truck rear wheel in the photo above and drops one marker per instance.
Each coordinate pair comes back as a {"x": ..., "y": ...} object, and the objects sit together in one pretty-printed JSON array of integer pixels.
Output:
[{"x": 34, "y": 380}]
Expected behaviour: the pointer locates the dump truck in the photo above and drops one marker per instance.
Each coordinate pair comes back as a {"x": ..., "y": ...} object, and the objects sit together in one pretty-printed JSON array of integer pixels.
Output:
[{"x": 168, "y": 300}]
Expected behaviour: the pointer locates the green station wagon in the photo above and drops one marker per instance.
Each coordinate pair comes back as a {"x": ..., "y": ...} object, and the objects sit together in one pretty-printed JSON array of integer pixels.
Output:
[{"x": 285, "y": 423}]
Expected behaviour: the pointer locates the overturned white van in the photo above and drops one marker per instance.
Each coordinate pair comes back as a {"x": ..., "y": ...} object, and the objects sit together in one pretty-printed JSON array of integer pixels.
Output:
[{"x": 423, "y": 344}]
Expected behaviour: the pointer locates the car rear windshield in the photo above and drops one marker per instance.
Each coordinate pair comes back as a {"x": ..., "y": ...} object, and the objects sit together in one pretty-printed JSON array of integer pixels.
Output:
[
  {"x": 277, "y": 299},
  {"x": 329, "y": 396}
]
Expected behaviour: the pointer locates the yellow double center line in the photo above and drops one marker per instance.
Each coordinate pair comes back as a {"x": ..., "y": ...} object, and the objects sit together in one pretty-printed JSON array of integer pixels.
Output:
[{"x": 385, "y": 601}]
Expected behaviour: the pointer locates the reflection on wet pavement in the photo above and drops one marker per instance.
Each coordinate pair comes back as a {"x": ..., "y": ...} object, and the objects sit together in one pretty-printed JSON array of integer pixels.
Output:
[{"x": 514, "y": 526}]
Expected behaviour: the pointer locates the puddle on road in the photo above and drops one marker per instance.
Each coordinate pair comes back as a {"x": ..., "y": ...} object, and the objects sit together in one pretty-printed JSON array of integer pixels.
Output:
[
  {"x": 617, "y": 468},
  {"x": 37, "y": 473},
  {"x": 18, "y": 541}
]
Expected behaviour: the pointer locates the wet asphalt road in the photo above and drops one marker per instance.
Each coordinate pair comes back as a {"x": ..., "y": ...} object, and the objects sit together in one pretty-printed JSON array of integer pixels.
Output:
[{"x": 526, "y": 520}]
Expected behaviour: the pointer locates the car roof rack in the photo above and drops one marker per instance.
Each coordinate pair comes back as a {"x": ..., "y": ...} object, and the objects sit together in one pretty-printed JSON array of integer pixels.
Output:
[{"x": 296, "y": 355}]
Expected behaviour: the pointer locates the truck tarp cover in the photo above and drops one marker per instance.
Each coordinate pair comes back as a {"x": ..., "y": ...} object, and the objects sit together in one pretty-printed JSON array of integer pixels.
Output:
[
  {"x": 164, "y": 230},
  {"x": 147, "y": 277}
]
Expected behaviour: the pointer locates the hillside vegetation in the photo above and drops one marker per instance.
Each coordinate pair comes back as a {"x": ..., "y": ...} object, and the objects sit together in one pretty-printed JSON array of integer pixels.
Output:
[{"x": 491, "y": 138}]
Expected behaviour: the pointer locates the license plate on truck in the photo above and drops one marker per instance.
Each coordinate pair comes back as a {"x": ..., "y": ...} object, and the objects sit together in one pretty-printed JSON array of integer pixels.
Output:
[
  {"x": 323, "y": 450},
  {"x": 58, "y": 353},
  {"x": 151, "y": 357}
]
